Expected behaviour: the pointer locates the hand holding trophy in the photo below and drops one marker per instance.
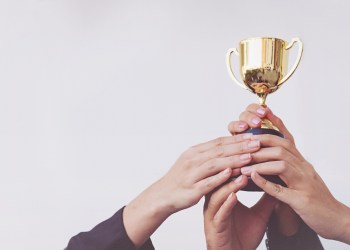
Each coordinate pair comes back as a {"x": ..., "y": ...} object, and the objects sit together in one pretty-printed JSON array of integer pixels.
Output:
[{"x": 263, "y": 69}]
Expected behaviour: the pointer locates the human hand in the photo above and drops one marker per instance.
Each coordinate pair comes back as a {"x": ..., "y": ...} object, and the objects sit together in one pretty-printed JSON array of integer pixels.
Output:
[
  {"x": 306, "y": 193},
  {"x": 229, "y": 224},
  {"x": 252, "y": 117},
  {"x": 198, "y": 171},
  {"x": 203, "y": 167}
]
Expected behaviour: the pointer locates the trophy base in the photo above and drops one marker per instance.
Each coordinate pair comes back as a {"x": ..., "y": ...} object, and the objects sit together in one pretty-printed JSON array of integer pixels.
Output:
[
  {"x": 261, "y": 131},
  {"x": 251, "y": 186}
]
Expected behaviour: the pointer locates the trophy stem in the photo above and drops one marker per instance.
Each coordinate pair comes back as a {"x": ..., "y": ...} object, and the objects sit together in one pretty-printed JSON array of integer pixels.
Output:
[{"x": 262, "y": 99}]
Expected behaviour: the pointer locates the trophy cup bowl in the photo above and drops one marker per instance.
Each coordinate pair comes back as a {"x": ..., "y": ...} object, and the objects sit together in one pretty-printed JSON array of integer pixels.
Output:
[{"x": 263, "y": 64}]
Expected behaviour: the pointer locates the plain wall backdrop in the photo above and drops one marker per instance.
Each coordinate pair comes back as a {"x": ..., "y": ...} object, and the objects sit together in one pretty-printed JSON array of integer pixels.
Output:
[{"x": 99, "y": 98}]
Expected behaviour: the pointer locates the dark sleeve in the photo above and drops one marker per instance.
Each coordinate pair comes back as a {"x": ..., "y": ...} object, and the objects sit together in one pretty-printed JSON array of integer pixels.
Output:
[
  {"x": 304, "y": 239},
  {"x": 108, "y": 235}
]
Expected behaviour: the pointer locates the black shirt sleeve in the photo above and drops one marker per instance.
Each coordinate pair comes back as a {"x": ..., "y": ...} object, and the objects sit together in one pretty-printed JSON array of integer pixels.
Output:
[
  {"x": 304, "y": 239},
  {"x": 108, "y": 235}
]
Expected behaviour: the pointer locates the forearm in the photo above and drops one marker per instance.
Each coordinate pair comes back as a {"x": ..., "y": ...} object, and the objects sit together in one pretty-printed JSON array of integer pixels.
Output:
[
  {"x": 107, "y": 235},
  {"x": 145, "y": 214},
  {"x": 344, "y": 226}
]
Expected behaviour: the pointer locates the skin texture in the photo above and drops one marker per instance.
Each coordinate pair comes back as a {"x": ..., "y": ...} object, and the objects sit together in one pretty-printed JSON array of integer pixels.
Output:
[
  {"x": 306, "y": 193},
  {"x": 198, "y": 171},
  {"x": 229, "y": 225}
]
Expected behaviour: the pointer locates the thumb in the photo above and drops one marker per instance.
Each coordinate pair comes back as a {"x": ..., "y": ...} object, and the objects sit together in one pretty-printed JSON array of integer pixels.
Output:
[{"x": 279, "y": 124}]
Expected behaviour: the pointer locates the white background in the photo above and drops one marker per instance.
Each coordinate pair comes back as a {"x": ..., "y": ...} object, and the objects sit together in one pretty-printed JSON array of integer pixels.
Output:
[{"x": 99, "y": 98}]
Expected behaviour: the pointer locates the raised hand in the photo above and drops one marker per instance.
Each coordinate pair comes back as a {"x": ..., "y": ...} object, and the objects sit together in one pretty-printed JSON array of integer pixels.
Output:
[
  {"x": 229, "y": 225},
  {"x": 198, "y": 171},
  {"x": 306, "y": 193}
]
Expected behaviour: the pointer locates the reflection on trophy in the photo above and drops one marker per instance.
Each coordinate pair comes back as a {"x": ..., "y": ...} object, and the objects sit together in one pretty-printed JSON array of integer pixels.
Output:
[{"x": 263, "y": 68}]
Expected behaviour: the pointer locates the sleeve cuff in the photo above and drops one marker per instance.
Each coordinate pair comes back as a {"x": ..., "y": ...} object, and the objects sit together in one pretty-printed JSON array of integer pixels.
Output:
[
  {"x": 108, "y": 235},
  {"x": 304, "y": 239}
]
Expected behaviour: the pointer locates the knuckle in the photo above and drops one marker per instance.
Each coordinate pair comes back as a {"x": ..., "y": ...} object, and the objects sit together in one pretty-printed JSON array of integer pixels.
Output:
[
  {"x": 252, "y": 106},
  {"x": 278, "y": 189},
  {"x": 269, "y": 138},
  {"x": 283, "y": 166},
  {"x": 278, "y": 121},
  {"x": 243, "y": 116},
  {"x": 280, "y": 152},
  {"x": 190, "y": 152},
  {"x": 219, "y": 151},
  {"x": 189, "y": 162},
  {"x": 231, "y": 127},
  {"x": 208, "y": 184},
  {"x": 291, "y": 138},
  {"x": 232, "y": 159},
  {"x": 243, "y": 146},
  {"x": 264, "y": 183},
  {"x": 219, "y": 141},
  {"x": 239, "y": 138},
  {"x": 288, "y": 143},
  {"x": 212, "y": 164},
  {"x": 236, "y": 172}
]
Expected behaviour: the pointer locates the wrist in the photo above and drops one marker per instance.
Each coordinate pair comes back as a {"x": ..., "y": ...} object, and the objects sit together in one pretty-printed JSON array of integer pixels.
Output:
[
  {"x": 169, "y": 196},
  {"x": 216, "y": 242},
  {"x": 143, "y": 215},
  {"x": 161, "y": 204}
]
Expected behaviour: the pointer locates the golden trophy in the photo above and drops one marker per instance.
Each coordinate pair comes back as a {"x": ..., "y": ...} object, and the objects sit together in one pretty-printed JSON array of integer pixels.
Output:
[{"x": 263, "y": 68}]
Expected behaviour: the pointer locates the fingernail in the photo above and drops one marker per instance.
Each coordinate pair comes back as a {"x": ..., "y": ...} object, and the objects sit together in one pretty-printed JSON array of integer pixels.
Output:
[
  {"x": 246, "y": 170},
  {"x": 254, "y": 144},
  {"x": 247, "y": 136},
  {"x": 238, "y": 180},
  {"x": 256, "y": 120},
  {"x": 261, "y": 111},
  {"x": 244, "y": 157},
  {"x": 242, "y": 125}
]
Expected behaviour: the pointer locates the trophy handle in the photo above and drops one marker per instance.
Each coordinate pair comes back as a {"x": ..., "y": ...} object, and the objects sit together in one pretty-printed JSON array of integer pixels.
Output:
[
  {"x": 229, "y": 68},
  {"x": 300, "y": 53}
]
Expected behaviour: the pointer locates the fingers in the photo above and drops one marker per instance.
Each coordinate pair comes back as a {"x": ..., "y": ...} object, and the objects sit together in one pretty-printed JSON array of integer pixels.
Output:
[
  {"x": 221, "y": 157},
  {"x": 222, "y": 200},
  {"x": 279, "y": 192},
  {"x": 226, "y": 152},
  {"x": 280, "y": 168},
  {"x": 221, "y": 141},
  {"x": 216, "y": 165},
  {"x": 237, "y": 127},
  {"x": 253, "y": 120},
  {"x": 225, "y": 210},
  {"x": 257, "y": 109},
  {"x": 280, "y": 125},
  {"x": 243, "y": 147},
  {"x": 252, "y": 117},
  {"x": 274, "y": 154},
  {"x": 208, "y": 184},
  {"x": 268, "y": 140}
]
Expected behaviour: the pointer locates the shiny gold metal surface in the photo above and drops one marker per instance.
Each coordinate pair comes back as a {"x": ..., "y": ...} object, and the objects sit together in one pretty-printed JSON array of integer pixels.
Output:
[{"x": 263, "y": 65}]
